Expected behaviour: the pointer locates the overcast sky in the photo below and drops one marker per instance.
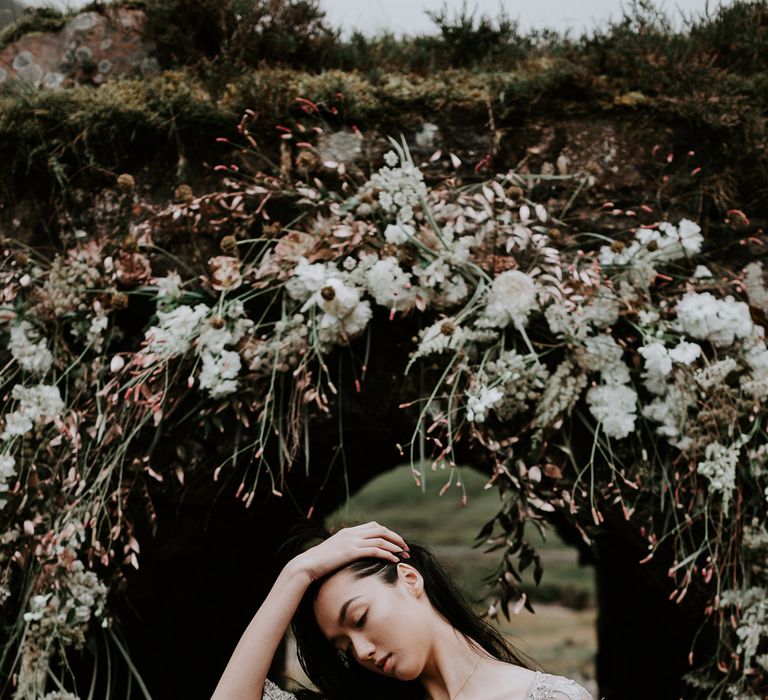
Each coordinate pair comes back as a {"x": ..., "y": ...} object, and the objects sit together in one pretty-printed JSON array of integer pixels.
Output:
[{"x": 407, "y": 16}]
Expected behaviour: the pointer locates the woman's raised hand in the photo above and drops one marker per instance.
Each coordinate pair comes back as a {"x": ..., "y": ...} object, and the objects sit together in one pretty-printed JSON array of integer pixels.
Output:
[{"x": 349, "y": 544}]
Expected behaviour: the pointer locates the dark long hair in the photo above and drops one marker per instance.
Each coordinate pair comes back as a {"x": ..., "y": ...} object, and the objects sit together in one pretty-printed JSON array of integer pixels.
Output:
[{"x": 338, "y": 679}]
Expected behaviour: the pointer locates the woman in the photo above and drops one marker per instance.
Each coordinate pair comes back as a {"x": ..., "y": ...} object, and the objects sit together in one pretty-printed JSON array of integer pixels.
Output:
[{"x": 375, "y": 618}]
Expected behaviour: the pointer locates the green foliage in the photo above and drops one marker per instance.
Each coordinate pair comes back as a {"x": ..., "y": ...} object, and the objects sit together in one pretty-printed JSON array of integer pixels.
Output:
[{"x": 82, "y": 127}]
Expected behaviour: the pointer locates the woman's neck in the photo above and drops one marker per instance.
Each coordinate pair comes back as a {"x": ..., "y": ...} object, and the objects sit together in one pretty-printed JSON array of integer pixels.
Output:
[{"x": 453, "y": 659}]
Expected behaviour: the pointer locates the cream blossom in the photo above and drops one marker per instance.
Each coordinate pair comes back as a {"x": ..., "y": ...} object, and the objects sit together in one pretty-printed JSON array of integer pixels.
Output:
[
  {"x": 480, "y": 400},
  {"x": 29, "y": 349},
  {"x": 685, "y": 353},
  {"x": 614, "y": 406},
  {"x": 334, "y": 330},
  {"x": 335, "y": 298},
  {"x": 720, "y": 321},
  {"x": 511, "y": 298},
  {"x": 389, "y": 285}
]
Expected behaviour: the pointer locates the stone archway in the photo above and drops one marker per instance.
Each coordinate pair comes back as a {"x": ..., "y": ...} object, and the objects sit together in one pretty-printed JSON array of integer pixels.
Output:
[{"x": 210, "y": 561}]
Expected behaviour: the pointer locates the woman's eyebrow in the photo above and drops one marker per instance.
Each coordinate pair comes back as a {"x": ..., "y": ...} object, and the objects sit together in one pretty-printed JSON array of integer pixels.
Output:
[{"x": 343, "y": 612}]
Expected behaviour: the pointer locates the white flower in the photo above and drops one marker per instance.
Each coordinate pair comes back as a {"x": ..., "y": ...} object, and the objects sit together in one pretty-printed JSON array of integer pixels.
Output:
[
  {"x": 168, "y": 287},
  {"x": 670, "y": 411},
  {"x": 434, "y": 274},
  {"x": 29, "y": 350},
  {"x": 719, "y": 466},
  {"x": 664, "y": 244},
  {"x": 755, "y": 286},
  {"x": 234, "y": 309},
  {"x": 400, "y": 188},
  {"x": 389, "y": 285},
  {"x": 647, "y": 317},
  {"x": 714, "y": 374},
  {"x": 37, "y": 605},
  {"x": 98, "y": 325},
  {"x": 614, "y": 406},
  {"x": 15, "y": 424},
  {"x": 219, "y": 371},
  {"x": 442, "y": 335},
  {"x": 685, "y": 353},
  {"x": 480, "y": 400},
  {"x": 453, "y": 292},
  {"x": 603, "y": 310},
  {"x": 721, "y": 321},
  {"x": 512, "y": 297},
  {"x": 176, "y": 330},
  {"x": 658, "y": 364},
  {"x": 397, "y": 234},
  {"x": 308, "y": 278},
  {"x": 702, "y": 272},
  {"x": 335, "y": 330},
  {"x": 672, "y": 243},
  {"x": 391, "y": 159},
  {"x": 603, "y": 354},
  {"x": 335, "y": 298},
  {"x": 756, "y": 352},
  {"x": 37, "y": 404},
  {"x": 7, "y": 464}
]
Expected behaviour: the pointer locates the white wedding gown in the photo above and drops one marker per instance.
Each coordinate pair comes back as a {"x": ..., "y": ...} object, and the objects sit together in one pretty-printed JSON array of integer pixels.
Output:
[{"x": 545, "y": 687}]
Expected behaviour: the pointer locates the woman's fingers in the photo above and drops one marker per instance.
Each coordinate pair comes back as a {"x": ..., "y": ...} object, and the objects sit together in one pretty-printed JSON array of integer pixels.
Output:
[
  {"x": 381, "y": 543},
  {"x": 379, "y": 553},
  {"x": 381, "y": 531}
]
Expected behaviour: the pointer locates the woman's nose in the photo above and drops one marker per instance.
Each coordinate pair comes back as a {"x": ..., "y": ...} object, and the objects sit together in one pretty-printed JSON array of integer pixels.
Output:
[{"x": 364, "y": 649}]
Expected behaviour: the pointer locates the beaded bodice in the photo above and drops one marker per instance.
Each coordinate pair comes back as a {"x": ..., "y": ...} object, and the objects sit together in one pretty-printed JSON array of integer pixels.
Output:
[
  {"x": 548, "y": 687},
  {"x": 545, "y": 687}
]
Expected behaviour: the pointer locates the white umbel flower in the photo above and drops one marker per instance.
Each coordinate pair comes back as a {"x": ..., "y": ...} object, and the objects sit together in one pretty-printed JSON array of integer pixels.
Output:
[
  {"x": 685, "y": 353},
  {"x": 720, "y": 321},
  {"x": 615, "y": 407},
  {"x": 37, "y": 405},
  {"x": 397, "y": 234},
  {"x": 29, "y": 350},
  {"x": 511, "y": 298},
  {"x": 389, "y": 285},
  {"x": 658, "y": 365},
  {"x": 219, "y": 372}
]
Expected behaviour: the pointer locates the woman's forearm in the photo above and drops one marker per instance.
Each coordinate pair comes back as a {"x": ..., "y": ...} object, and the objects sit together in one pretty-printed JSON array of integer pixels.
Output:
[{"x": 246, "y": 672}]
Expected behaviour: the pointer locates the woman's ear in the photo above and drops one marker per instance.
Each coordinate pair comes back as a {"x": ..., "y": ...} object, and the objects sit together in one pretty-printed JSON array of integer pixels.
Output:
[{"x": 411, "y": 579}]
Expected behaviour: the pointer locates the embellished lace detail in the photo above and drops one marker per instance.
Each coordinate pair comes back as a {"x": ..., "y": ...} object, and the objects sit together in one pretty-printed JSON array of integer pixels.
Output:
[
  {"x": 272, "y": 692},
  {"x": 548, "y": 687},
  {"x": 545, "y": 687}
]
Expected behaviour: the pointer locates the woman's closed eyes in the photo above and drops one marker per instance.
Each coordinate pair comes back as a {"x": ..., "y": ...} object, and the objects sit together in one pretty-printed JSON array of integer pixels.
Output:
[{"x": 358, "y": 625}]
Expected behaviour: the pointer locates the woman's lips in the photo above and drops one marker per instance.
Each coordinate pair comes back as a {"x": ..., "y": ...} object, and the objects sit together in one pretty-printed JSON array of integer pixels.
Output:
[{"x": 387, "y": 665}]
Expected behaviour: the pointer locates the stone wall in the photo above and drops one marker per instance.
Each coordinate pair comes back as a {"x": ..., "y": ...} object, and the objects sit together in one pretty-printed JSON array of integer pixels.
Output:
[{"x": 90, "y": 48}]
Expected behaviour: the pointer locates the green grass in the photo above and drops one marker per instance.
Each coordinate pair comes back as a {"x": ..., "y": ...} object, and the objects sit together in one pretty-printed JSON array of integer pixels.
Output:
[{"x": 442, "y": 523}]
